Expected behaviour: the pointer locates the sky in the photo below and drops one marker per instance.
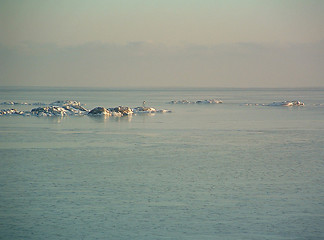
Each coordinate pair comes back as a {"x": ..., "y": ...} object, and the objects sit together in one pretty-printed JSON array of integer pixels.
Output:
[{"x": 165, "y": 43}]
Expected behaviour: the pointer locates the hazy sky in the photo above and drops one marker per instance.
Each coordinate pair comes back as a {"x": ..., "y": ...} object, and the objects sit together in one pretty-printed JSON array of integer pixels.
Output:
[{"x": 135, "y": 43}]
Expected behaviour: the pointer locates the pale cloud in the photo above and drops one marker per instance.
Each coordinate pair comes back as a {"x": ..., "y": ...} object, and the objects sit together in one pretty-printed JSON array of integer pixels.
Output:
[
  {"x": 135, "y": 43},
  {"x": 145, "y": 64}
]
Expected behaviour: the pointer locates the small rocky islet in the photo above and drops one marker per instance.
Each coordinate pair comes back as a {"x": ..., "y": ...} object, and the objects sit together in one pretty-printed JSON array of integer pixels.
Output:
[
  {"x": 22, "y": 103},
  {"x": 206, "y": 101},
  {"x": 280, "y": 104},
  {"x": 215, "y": 101},
  {"x": 68, "y": 107},
  {"x": 287, "y": 103}
]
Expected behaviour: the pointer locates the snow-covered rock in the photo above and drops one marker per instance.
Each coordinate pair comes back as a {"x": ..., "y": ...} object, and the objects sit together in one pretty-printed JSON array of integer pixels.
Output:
[
  {"x": 99, "y": 111},
  {"x": 287, "y": 103},
  {"x": 209, "y": 101},
  {"x": 69, "y": 107},
  {"x": 121, "y": 111},
  {"x": 149, "y": 110},
  {"x": 62, "y": 103},
  {"x": 181, "y": 102},
  {"x": 49, "y": 111},
  {"x": 144, "y": 110},
  {"x": 14, "y": 103},
  {"x": 11, "y": 112},
  {"x": 78, "y": 110},
  {"x": 72, "y": 107}
]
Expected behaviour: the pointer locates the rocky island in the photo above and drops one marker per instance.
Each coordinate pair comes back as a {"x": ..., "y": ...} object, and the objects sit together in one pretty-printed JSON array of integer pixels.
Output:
[
  {"x": 209, "y": 101},
  {"x": 287, "y": 103},
  {"x": 68, "y": 107}
]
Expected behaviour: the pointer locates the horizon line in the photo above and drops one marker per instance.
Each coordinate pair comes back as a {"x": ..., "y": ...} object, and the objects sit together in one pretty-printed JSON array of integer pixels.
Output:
[{"x": 170, "y": 88}]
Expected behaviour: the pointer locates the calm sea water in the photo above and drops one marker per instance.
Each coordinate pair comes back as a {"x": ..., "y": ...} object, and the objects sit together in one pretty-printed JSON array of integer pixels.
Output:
[{"x": 223, "y": 171}]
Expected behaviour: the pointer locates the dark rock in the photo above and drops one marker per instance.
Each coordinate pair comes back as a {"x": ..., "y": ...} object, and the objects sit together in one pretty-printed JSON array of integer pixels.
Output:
[
  {"x": 99, "y": 111},
  {"x": 121, "y": 111},
  {"x": 49, "y": 111}
]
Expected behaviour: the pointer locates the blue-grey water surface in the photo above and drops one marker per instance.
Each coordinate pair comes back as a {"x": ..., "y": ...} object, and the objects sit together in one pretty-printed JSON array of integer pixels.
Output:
[{"x": 217, "y": 171}]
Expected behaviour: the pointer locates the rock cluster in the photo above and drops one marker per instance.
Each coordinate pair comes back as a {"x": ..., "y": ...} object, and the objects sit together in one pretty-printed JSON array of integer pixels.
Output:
[
  {"x": 210, "y": 101},
  {"x": 124, "y": 111},
  {"x": 121, "y": 111},
  {"x": 63, "y": 108},
  {"x": 287, "y": 103},
  {"x": 60, "y": 108},
  {"x": 181, "y": 102},
  {"x": 116, "y": 111},
  {"x": 21, "y": 103},
  {"x": 75, "y": 110},
  {"x": 14, "y": 103},
  {"x": 72, "y": 106},
  {"x": 99, "y": 111},
  {"x": 65, "y": 102},
  {"x": 144, "y": 110},
  {"x": 49, "y": 111},
  {"x": 11, "y": 112}
]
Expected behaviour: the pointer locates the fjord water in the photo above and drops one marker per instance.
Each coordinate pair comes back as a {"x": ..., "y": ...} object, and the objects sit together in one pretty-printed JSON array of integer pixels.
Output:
[{"x": 216, "y": 171}]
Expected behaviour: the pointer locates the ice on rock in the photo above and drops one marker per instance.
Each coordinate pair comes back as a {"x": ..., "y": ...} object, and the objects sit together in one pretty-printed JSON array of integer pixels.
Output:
[
  {"x": 10, "y": 112},
  {"x": 49, "y": 111},
  {"x": 75, "y": 110},
  {"x": 14, "y": 103},
  {"x": 287, "y": 103},
  {"x": 121, "y": 111},
  {"x": 65, "y": 103},
  {"x": 74, "y": 107},
  {"x": 181, "y": 102},
  {"x": 144, "y": 110},
  {"x": 99, "y": 111},
  {"x": 69, "y": 107},
  {"x": 209, "y": 101},
  {"x": 60, "y": 108}
]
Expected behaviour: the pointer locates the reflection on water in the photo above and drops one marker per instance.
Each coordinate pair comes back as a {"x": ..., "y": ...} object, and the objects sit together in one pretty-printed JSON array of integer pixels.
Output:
[
  {"x": 128, "y": 118},
  {"x": 54, "y": 119},
  {"x": 105, "y": 118},
  {"x": 98, "y": 118}
]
